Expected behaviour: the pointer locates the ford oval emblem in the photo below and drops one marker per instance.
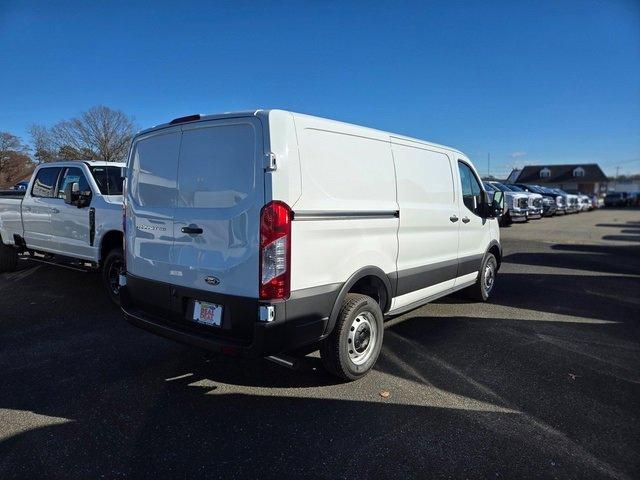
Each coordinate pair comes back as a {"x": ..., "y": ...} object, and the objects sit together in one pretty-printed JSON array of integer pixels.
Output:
[{"x": 212, "y": 281}]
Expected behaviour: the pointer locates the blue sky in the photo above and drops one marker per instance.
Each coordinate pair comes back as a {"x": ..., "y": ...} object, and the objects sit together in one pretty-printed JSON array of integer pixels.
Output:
[{"x": 529, "y": 82}]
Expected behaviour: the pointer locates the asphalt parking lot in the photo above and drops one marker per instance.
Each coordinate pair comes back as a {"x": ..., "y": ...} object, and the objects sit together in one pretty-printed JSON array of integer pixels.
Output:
[{"x": 543, "y": 381}]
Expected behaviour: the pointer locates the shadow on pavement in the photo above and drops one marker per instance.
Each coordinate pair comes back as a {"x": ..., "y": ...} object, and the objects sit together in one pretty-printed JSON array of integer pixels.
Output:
[{"x": 547, "y": 394}]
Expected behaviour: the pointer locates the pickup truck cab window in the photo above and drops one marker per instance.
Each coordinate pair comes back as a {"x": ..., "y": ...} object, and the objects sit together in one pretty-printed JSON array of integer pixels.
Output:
[
  {"x": 73, "y": 175},
  {"x": 471, "y": 190},
  {"x": 108, "y": 179},
  {"x": 44, "y": 186}
]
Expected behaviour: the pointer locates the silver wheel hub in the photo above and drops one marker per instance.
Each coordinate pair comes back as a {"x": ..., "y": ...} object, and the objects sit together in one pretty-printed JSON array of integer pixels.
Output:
[
  {"x": 363, "y": 334},
  {"x": 489, "y": 277}
]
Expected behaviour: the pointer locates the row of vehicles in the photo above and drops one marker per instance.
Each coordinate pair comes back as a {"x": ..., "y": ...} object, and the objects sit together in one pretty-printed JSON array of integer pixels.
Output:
[
  {"x": 525, "y": 202},
  {"x": 622, "y": 199}
]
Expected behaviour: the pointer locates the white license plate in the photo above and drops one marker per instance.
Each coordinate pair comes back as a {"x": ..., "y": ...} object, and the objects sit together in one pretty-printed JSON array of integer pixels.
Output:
[{"x": 207, "y": 313}]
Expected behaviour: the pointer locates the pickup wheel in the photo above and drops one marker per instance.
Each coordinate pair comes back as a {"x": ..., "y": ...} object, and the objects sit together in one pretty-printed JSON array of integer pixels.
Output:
[
  {"x": 481, "y": 290},
  {"x": 111, "y": 269},
  {"x": 8, "y": 258},
  {"x": 354, "y": 345}
]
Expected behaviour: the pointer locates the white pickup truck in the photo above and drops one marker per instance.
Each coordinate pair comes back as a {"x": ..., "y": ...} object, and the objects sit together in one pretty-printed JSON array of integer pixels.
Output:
[{"x": 71, "y": 215}]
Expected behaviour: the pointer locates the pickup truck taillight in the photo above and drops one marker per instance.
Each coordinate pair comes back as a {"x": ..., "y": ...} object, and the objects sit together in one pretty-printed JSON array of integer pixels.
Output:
[{"x": 275, "y": 251}]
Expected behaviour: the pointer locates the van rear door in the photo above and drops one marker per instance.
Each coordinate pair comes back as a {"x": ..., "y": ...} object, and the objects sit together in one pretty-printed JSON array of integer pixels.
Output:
[
  {"x": 217, "y": 214},
  {"x": 151, "y": 199}
]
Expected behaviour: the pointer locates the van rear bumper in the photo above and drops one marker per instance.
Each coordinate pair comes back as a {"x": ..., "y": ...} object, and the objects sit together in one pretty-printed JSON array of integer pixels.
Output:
[
  {"x": 258, "y": 347},
  {"x": 298, "y": 321}
]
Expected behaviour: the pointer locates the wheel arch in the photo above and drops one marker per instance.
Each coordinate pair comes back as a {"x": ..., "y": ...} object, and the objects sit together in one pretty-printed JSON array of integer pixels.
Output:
[
  {"x": 371, "y": 281},
  {"x": 496, "y": 249},
  {"x": 110, "y": 240}
]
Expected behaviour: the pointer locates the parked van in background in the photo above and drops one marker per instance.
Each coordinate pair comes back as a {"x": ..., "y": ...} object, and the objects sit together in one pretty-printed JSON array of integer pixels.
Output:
[{"x": 259, "y": 232}]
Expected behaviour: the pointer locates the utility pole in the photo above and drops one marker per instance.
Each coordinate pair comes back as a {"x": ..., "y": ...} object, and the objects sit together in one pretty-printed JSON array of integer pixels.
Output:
[
  {"x": 488, "y": 164},
  {"x": 616, "y": 179}
]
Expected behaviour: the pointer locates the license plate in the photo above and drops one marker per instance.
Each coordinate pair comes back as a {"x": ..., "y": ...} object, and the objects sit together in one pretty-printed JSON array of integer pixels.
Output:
[{"x": 207, "y": 313}]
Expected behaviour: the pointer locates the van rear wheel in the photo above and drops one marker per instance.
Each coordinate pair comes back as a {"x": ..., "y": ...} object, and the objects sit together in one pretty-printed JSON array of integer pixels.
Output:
[
  {"x": 8, "y": 258},
  {"x": 354, "y": 345},
  {"x": 481, "y": 290}
]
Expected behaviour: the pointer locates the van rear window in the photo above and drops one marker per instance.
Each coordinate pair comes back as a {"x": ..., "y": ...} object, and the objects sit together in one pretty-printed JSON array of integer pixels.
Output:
[
  {"x": 153, "y": 170},
  {"x": 217, "y": 166}
]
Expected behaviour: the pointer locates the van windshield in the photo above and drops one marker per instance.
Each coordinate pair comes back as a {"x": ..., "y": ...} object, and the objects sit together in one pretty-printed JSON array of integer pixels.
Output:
[{"x": 109, "y": 179}]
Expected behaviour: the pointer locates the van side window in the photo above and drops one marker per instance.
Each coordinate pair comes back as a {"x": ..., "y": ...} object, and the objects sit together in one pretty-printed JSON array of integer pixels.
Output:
[
  {"x": 471, "y": 190},
  {"x": 73, "y": 175},
  {"x": 44, "y": 185}
]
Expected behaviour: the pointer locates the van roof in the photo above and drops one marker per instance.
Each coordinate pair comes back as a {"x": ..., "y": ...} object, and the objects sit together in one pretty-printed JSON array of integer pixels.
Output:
[{"x": 265, "y": 112}]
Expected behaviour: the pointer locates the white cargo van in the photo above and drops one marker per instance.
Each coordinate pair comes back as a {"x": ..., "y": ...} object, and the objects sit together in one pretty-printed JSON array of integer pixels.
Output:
[{"x": 259, "y": 232}]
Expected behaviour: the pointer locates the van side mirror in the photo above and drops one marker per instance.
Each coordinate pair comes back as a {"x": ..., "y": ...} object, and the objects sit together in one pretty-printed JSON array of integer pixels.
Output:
[
  {"x": 497, "y": 204},
  {"x": 493, "y": 204}
]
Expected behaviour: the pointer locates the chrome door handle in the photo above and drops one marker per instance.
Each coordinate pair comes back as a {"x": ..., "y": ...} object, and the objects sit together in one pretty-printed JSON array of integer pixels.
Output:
[
  {"x": 465, "y": 220},
  {"x": 453, "y": 218},
  {"x": 55, "y": 210}
]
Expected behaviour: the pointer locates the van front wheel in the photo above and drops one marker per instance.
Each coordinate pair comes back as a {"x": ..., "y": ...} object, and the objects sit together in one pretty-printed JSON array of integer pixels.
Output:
[
  {"x": 481, "y": 290},
  {"x": 354, "y": 345}
]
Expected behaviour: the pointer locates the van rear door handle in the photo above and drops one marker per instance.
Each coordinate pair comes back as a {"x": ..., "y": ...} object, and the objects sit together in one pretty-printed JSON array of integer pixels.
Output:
[
  {"x": 465, "y": 220},
  {"x": 453, "y": 218},
  {"x": 191, "y": 230}
]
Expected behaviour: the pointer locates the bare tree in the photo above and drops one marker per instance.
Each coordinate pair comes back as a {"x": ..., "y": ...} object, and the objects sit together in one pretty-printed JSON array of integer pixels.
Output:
[
  {"x": 44, "y": 149},
  {"x": 100, "y": 133},
  {"x": 15, "y": 162}
]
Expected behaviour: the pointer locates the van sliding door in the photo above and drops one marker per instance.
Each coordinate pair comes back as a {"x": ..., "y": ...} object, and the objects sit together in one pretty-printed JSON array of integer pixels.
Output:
[{"x": 428, "y": 233}]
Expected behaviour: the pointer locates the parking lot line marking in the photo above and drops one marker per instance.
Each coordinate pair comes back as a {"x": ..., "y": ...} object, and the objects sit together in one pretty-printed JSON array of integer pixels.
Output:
[{"x": 186, "y": 375}]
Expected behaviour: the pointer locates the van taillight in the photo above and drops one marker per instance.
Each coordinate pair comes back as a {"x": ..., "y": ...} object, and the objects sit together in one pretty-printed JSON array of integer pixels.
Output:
[{"x": 275, "y": 251}]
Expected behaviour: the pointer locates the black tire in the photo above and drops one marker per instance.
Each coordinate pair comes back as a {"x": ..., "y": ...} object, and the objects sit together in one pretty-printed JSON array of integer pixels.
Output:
[
  {"x": 359, "y": 326},
  {"x": 8, "y": 258},
  {"x": 481, "y": 290},
  {"x": 111, "y": 268}
]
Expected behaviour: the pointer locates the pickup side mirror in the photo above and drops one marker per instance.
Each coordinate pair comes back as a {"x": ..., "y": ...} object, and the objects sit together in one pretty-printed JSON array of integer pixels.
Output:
[{"x": 71, "y": 193}]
